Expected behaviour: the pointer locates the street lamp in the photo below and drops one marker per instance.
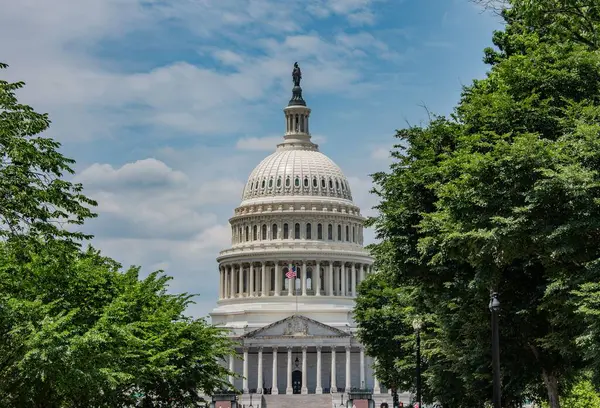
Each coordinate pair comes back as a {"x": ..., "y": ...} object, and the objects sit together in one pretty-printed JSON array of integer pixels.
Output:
[
  {"x": 417, "y": 325},
  {"x": 495, "y": 309}
]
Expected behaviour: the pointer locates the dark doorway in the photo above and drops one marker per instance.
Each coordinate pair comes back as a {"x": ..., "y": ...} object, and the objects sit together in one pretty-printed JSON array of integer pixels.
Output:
[{"x": 297, "y": 382}]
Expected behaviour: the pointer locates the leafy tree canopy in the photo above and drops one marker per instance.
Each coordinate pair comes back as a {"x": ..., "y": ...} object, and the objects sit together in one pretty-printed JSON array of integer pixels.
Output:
[{"x": 504, "y": 195}]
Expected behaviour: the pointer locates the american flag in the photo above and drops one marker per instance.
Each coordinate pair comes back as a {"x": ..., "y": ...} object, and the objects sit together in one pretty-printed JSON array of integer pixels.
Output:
[{"x": 291, "y": 273}]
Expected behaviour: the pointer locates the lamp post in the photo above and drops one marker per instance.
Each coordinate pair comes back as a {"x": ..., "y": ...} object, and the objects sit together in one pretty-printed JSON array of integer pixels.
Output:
[
  {"x": 417, "y": 325},
  {"x": 495, "y": 310}
]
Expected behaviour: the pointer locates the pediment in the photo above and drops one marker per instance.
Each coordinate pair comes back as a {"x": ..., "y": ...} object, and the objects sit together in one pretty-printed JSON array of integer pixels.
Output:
[{"x": 296, "y": 326}]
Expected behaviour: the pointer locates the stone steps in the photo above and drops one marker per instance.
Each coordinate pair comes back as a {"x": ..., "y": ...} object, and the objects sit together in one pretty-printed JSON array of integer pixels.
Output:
[{"x": 297, "y": 400}]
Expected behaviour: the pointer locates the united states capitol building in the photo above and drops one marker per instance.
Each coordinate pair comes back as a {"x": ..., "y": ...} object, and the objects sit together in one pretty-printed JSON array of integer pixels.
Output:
[{"x": 296, "y": 335}]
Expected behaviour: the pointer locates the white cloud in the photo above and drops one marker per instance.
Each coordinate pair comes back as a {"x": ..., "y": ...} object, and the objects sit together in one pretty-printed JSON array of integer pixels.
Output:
[
  {"x": 380, "y": 153},
  {"x": 259, "y": 143}
]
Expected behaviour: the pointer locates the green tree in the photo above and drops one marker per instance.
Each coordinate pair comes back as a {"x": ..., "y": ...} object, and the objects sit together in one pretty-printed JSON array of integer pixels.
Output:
[
  {"x": 35, "y": 199},
  {"x": 504, "y": 196},
  {"x": 75, "y": 331}
]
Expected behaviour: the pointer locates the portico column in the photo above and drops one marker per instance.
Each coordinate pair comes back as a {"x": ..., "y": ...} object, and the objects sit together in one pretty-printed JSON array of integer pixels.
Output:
[
  {"x": 336, "y": 280},
  {"x": 231, "y": 369},
  {"x": 319, "y": 389},
  {"x": 245, "y": 373},
  {"x": 263, "y": 280},
  {"x": 259, "y": 386},
  {"x": 251, "y": 281},
  {"x": 241, "y": 281},
  {"x": 353, "y": 279},
  {"x": 220, "y": 282},
  {"x": 376, "y": 387},
  {"x": 277, "y": 279},
  {"x": 362, "y": 368},
  {"x": 344, "y": 276},
  {"x": 362, "y": 272},
  {"x": 304, "y": 277},
  {"x": 333, "y": 371},
  {"x": 289, "y": 389},
  {"x": 348, "y": 379},
  {"x": 274, "y": 389},
  {"x": 304, "y": 367},
  {"x": 330, "y": 279},
  {"x": 318, "y": 280}
]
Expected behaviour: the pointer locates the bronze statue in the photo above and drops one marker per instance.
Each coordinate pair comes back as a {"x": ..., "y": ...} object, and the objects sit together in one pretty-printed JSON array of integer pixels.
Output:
[{"x": 296, "y": 74}]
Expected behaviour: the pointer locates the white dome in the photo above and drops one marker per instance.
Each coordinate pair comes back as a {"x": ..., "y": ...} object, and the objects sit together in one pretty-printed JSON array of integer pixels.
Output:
[{"x": 296, "y": 171}]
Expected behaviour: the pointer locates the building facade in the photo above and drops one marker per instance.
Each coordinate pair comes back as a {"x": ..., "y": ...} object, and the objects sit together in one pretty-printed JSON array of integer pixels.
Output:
[{"x": 288, "y": 282}]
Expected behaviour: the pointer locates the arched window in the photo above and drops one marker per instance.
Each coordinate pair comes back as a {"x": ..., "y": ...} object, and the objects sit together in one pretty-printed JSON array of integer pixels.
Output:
[
  {"x": 272, "y": 279},
  {"x": 241, "y": 234},
  {"x": 305, "y": 181},
  {"x": 296, "y": 231},
  {"x": 245, "y": 280},
  {"x": 274, "y": 231},
  {"x": 353, "y": 234},
  {"x": 286, "y": 231},
  {"x": 315, "y": 183},
  {"x": 330, "y": 183},
  {"x": 270, "y": 183},
  {"x": 263, "y": 184},
  {"x": 286, "y": 281},
  {"x": 308, "y": 231},
  {"x": 308, "y": 277},
  {"x": 337, "y": 185},
  {"x": 321, "y": 280},
  {"x": 347, "y": 233},
  {"x": 319, "y": 231},
  {"x": 343, "y": 186},
  {"x": 339, "y": 235},
  {"x": 254, "y": 233},
  {"x": 247, "y": 234},
  {"x": 279, "y": 182},
  {"x": 323, "y": 182},
  {"x": 264, "y": 231},
  {"x": 297, "y": 182},
  {"x": 287, "y": 182},
  {"x": 330, "y": 232}
]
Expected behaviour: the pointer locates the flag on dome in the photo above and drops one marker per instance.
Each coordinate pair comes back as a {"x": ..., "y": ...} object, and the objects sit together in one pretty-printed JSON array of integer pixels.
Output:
[{"x": 291, "y": 273}]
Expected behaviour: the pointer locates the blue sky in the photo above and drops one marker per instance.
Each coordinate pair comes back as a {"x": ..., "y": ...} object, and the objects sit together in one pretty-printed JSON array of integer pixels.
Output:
[{"x": 168, "y": 105}]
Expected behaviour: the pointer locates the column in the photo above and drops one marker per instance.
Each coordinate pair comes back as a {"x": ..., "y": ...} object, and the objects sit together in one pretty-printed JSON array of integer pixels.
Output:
[
  {"x": 291, "y": 283},
  {"x": 330, "y": 279},
  {"x": 289, "y": 389},
  {"x": 353, "y": 279},
  {"x": 362, "y": 272},
  {"x": 263, "y": 280},
  {"x": 232, "y": 278},
  {"x": 344, "y": 276},
  {"x": 274, "y": 389},
  {"x": 376, "y": 386},
  {"x": 241, "y": 281},
  {"x": 259, "y": 386},
  {"x": 225, "y": 283},
  {"x": 348, "y": 373},
  {"x": 317, "y": 280},
  {"x": 362, "y": 368},
  {"x": 245, "y": 372},
  {"x": 231, "y": 369},
  {"x": 277, "y": 279},
  {"x": 333, "y": 371},
  {"x": 319, "y": 388},
  {"x": 336, "y": 280},
  {"x": 251, "y": 281},
  {"x": 304, "y": 369},
  {"x": 304, "y": 276},
  {"x": 220, "y": 282}
]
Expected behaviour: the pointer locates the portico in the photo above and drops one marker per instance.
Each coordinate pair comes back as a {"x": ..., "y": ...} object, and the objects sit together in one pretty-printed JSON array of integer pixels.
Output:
[{"x": 298, "y": 355}]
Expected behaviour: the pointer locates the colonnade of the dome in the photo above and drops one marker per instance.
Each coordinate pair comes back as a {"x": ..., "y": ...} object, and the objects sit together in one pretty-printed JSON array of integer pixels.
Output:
[
  {"x": 268, "y": 278},
  {"x": 349, "y": 232},
  {"x": 296, "y": 184}
]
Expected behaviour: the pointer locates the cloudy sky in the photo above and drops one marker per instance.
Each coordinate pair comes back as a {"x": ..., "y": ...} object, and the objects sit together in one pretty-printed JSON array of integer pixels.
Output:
[{"x": 167, "y": 105}]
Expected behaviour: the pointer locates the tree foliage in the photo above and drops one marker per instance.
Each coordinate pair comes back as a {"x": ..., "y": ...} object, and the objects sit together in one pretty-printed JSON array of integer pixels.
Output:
[
  {"x": 35, "y": 199},
  {"x": 504, "y": 195}
]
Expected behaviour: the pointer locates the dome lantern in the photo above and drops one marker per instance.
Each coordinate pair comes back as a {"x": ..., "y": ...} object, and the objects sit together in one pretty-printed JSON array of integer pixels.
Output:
[{"x": 297, "y": 114}]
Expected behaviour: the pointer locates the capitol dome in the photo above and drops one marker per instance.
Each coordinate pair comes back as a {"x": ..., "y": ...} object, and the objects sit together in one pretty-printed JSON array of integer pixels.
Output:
[{"x": 295, "y": 171}]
